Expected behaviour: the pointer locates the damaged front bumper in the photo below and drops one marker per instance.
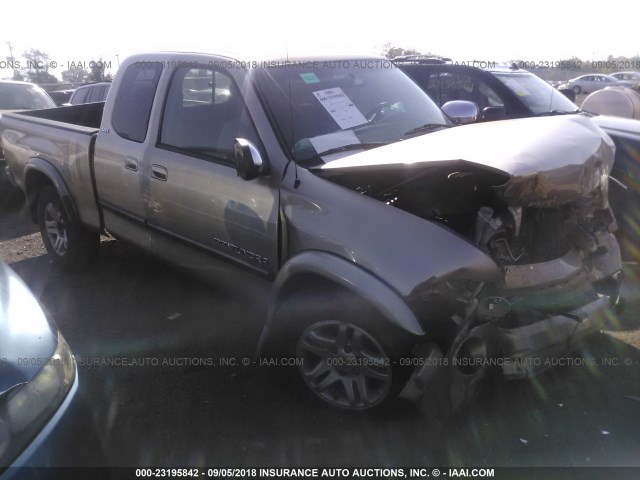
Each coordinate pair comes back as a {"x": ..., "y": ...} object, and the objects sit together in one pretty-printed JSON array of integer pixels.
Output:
[
  {"x": 521, "y": 352},
  {"x": 524, "y": 326}
]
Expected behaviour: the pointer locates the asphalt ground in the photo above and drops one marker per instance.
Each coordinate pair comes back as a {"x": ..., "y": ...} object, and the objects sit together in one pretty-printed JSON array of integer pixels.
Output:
[{"x": 187, "y": 392}]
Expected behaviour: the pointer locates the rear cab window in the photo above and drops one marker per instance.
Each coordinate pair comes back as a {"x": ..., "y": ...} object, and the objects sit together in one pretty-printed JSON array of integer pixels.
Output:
[{"x": 132, "y": 106}]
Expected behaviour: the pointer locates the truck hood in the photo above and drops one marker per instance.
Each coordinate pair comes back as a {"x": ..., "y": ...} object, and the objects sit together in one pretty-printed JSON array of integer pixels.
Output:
[{"x": 545, "y": 161}]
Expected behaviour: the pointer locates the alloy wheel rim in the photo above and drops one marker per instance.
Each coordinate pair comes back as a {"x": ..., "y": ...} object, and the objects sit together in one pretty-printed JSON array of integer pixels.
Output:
[
  {"x": 56, "y": 230},
  {"x": 344, "y": 365}
]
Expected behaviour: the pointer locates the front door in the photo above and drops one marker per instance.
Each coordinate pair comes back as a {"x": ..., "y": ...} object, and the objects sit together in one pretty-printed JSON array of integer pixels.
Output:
[{"x": 195, "y": 196}]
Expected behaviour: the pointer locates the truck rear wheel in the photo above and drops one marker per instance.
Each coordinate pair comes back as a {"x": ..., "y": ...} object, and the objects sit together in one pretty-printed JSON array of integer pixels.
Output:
[{"x": 69, "y": 244}]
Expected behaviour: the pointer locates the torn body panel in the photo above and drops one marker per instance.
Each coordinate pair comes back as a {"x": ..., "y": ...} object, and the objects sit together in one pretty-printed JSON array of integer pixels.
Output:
[
  {"x": 541, "y": 215},
  {"x": 517, "y": 329}
]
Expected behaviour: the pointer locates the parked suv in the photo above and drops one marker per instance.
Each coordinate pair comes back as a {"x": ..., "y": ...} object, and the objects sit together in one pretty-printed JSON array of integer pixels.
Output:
[{"x": 510, "y": 92}]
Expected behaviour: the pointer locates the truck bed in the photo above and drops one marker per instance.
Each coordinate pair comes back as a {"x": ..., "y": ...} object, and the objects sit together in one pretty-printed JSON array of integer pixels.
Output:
[
  {"x": 87, "y": 115},
  {"x": 57, "y": 142}
]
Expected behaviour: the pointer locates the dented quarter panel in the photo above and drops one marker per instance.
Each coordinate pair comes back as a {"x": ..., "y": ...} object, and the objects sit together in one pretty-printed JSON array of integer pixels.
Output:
[{"x": 398, "y": 247}]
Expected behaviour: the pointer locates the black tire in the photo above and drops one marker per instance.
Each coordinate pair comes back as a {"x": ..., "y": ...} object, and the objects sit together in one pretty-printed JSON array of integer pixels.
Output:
[
  {"x": 347, "y": 355},
  {"x": 576, "y": 89},
  {"x": 70, "y": 245}
]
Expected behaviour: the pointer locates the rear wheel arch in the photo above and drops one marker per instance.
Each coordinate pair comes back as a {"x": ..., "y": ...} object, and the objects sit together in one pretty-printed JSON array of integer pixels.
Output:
[{"x": 40, "y": 174}]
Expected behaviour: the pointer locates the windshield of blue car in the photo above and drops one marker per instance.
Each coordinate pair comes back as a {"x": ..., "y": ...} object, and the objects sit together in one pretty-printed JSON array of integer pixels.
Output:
[
  {"x": 16, "y": 96},
  {"x": 535, "y": 93},
  {"x": 329, "y": 107}
]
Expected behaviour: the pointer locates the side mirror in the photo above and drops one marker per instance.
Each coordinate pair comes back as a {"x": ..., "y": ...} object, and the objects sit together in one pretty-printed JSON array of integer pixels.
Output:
[
  {"x": 461, "y": 111},
  {"x": 247, "y": 160}
]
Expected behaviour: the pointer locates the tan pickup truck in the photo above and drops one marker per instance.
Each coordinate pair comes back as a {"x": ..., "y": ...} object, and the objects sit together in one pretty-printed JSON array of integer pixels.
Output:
[{"x": 398, "y": 244}]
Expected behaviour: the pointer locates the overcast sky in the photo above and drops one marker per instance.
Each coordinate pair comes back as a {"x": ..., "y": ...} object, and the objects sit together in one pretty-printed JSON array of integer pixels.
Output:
[{"x": 464, "y": 30}]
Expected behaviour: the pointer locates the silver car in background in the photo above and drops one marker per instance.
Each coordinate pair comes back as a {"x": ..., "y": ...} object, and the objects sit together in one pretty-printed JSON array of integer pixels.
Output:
[{"x": 591, "y": 83}]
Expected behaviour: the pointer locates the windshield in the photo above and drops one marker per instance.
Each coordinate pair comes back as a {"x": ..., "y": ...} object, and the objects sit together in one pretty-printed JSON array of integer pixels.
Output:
[
  {"x": 16, "y": 96},
  {"x": 535, "y": 93},
  {"x": 322, "y": 108}
]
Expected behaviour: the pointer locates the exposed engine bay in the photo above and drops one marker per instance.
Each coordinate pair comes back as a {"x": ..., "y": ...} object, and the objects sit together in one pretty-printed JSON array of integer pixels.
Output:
[{"x": 466, "y": 198}]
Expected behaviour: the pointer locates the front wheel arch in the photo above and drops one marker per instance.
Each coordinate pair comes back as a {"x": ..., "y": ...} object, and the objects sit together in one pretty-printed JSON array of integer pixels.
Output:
[
  {"x": 331, "y": 272},
  {"x": 355, "y": 378}
]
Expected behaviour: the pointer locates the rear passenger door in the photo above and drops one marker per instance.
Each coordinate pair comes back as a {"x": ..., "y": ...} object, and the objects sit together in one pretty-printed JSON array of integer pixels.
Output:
[
  {"x": 195, "y": 196},
  {"x": 119, "y": 151}
]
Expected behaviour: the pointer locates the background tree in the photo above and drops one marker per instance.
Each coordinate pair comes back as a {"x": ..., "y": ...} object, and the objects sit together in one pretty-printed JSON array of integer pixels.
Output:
[
  {"x": 389, "y": 51},
  {"x": 97, "y": 71},
  {"x": 37, "y": 67},
  {"x": 75, "y": 75}
]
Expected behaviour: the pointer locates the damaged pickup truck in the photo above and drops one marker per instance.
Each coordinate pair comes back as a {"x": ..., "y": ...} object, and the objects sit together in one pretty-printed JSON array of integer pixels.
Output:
[{"x": 392, "y": 238}]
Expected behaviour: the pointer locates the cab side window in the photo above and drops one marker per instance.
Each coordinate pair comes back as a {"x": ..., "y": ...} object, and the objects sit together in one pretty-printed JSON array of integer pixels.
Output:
[
  {"x": 203, "y": 114},
  {"x": 133, "y": 103},
  {"x": 443, "y": 87},
  {"x": 79, "y": 96},
  {"x": 98, "y": 93}
]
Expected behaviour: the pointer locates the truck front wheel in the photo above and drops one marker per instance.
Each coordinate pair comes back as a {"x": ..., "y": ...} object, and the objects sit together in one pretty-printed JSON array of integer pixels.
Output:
[
  {"x": 344, "y": 351},
  {"x": 345, "y": 365},
  {"x": 69, "y": 244}
]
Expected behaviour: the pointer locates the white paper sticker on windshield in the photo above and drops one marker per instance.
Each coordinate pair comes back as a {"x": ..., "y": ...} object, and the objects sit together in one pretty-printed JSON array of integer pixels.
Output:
[
  {"x": 323, "y": 143},
  {"x": 340, "y": 107}
]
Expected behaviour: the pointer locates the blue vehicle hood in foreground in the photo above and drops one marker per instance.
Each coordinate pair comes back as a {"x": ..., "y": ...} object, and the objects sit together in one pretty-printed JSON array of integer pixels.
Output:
[{"x": 27, "y": 339}]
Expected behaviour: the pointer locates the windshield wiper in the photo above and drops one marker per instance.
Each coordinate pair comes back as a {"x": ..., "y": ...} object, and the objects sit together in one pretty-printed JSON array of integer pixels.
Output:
[
  {"x": 427, "y": 127},
  {"x": 557, "y": 112},
  {"x": 352, "y": 146}
]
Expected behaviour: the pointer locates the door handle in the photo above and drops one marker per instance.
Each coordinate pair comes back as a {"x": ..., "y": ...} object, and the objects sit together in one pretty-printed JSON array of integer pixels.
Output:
[
  {"x": 131, "y": 163},
  {"x": 159, "y": 172}
]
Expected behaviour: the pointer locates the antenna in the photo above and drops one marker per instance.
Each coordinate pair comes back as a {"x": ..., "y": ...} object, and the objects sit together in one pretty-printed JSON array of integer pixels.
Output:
[{"x": 296, "y": 182}]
